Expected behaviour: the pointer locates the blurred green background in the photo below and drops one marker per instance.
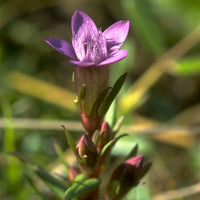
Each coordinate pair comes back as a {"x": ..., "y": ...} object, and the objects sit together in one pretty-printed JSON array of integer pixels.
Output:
[{"x": 160, "y": 99}]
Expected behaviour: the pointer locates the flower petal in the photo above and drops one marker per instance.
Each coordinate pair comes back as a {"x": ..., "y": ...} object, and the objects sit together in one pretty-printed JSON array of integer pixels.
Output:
[
  {"x": 121, "y": 54},
  {"x": 81, "y": 63},
  {"x": 83, "y": 28},
  {"x": 62, "y": 46},
  {"x": 116, "y": 34},
  {"x": 81, "y": 21}
]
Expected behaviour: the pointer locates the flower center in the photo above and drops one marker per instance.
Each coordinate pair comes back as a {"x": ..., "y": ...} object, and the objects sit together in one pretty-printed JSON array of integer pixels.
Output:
[{"x": 95, "y": 47}]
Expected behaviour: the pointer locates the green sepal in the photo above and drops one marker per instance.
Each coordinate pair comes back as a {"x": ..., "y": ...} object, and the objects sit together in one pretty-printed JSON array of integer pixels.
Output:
[
  {"x": 111, "y": 96},
  {"x": 81, "y": 185},
  {"x": 73, "y": 78},
  {"x": 70, "y": 139},
  {"x": 82, "y": 93}
]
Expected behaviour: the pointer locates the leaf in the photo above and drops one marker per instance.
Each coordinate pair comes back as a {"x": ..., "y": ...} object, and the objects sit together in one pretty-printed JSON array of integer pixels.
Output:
[
  {"x": 58, "y": 186},
  {"x": 81, "y": 185},
  {"x": 48, "y": 178},
  {"x": 118, "y": 125},
  {"x": 133, "y": 152},
  {"x": 110, "y": 144},
  {"x": 111, "y": 96},
  {"x": 99, "y": 101},
  {"x": 70, "y": 140},
  {"x": 145, "y": 169},
  {"x": 111, "y": 114}
]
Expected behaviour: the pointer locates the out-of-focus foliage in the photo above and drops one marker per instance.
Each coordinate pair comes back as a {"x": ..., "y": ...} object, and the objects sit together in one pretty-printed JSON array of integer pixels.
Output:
[{"x": 35, "y": 82}]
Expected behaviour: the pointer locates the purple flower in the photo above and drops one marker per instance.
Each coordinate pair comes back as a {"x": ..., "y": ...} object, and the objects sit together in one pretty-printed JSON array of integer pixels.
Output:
[{"x": 90, "y": 46}]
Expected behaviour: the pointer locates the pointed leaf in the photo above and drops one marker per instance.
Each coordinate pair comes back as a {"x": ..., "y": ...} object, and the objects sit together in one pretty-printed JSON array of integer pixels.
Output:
[
  {"x": 146, "y": 168},
  {"x": 110, "y": 144},
  {"x": 133, "y": 152},
  {"x": 111, "y": 96},
  {"x": 118, "y": 124},
  {"x": 111, "y": 114},
  {"x": 70, "y": 140},
  {"x": 50, "y": 179},
  {"x": 81, "y": 186},
  {"x": 100, "y": 100},
  {"x": 58, "y": 186}
]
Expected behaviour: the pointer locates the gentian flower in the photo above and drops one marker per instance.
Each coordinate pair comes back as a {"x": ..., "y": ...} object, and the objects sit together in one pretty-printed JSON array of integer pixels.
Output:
[
  {"x": 91, "y": 52},
  {"x": 90, "y": 46}
]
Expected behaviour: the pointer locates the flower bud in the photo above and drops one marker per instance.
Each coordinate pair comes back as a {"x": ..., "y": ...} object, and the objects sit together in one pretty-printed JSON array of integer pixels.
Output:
[
  {"x": 105, "y": 136},
  {"x": 87, "y": 150},
  {"x": 73, "y": 172},
  {"x": 95, "y": 80},
  {"x": 124, "y": 177}
]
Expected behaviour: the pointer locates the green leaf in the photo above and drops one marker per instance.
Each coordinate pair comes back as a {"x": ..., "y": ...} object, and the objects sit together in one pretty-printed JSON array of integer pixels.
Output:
[
  {"x": 111, "y": 96},
  {"x": 58, "y": 186},
  {"x": 133, "y": 152},
  {"x": 99, "y": 101},
  {"x": 110, "y": 144},
  {"x": 48, "y": 178},
  {"x": 81, "y": 185},
  {"x": 146, "y": 168},
  {"x": 70, "y": 140},
  {"x": 111, "y": 114},
  {"x": 118, "y": 125}
]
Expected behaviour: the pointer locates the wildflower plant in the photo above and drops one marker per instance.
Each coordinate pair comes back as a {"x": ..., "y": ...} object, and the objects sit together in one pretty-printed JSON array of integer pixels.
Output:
[{"x": 94, "y": 176}]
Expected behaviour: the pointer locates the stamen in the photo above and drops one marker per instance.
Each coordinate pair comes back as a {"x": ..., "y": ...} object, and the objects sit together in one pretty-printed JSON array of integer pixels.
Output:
[
  {"x": 96, "y": 49},
  {"x": 90, "y": 46}
]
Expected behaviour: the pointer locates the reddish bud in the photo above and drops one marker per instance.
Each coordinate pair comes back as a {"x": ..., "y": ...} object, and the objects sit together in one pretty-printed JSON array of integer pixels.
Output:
[
  {"x": 124, "y": 177},
  {"x": 87, "y": 150},
  {"x": 90, "y": 123},
  {"x": 105, "y": 136}
]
